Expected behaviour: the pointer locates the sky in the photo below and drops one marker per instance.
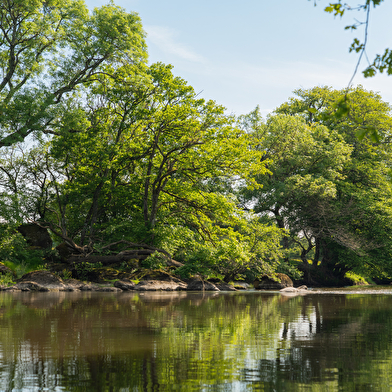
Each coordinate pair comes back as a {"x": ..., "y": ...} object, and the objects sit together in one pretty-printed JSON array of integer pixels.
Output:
[{"x": 257, "y": 52}]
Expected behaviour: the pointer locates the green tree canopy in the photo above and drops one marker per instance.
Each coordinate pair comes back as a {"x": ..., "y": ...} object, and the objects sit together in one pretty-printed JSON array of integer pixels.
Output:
[
  {"x": 145, "y": 170},
  {"x": 52, "y": 50},
  {"x": 330, "y": 190}
]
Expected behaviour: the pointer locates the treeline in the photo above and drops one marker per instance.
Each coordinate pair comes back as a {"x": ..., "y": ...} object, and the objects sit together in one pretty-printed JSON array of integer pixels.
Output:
[{"x": 113, "y": 155}]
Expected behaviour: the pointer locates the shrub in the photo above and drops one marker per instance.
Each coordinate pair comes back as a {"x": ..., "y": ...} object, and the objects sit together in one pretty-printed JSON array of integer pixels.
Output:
[
  {"x": 84, "y": 269},
  {"x": 155, "y": 261},
  {"x": 7, "y": 279},
  {"x": 16, "y": 254}
]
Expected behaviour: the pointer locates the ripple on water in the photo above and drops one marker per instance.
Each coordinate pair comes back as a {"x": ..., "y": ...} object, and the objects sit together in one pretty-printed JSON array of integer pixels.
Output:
[{"x": 371, "y": 289}]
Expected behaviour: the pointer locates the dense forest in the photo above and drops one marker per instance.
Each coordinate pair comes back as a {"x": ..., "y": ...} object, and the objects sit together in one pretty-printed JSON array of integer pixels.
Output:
[{"x": 115, "y": 156}]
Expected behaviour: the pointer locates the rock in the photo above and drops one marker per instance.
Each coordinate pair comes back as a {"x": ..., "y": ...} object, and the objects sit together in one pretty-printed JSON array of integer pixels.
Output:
[
  {"x": 289, "y": 290},
  {"x": 36, "y": 236},
  {"x": 47, "y": 281},
  {"x": 198, "y": 284},
  {"x": 87, "y": 287},
  {"x": 266, "y": 283},
  {"x": 95, "y": 287},
  {"x": 73, "y": 285},
  {"x": 222, "y": 286},
  {"x": 108, "y": 289},
  {"x": 9, "y": 288},
  {"x": 158, "y": 285},
  {"x": 30, "y": 286},
  {"x": 43, "y": 278},
  {"x": 292, "y": 291},
  {"x": 241, "y": 285},
  {"x": 40, "y": 281},
  {"x": 152, "y": 280},
  {"x": 69, "y": 289},
  {"x": 125, "y": 285}
]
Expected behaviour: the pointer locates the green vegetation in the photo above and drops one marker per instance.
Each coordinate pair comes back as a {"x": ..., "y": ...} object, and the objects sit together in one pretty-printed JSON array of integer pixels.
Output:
[
  {"x": 17, "y": 255},
  {"x": 84, "y": 268},
  {"x": 112, "y": 155}
]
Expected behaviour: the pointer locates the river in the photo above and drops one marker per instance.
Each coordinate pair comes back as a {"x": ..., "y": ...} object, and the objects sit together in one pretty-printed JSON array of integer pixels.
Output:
[{"x": 241, "y": 341}]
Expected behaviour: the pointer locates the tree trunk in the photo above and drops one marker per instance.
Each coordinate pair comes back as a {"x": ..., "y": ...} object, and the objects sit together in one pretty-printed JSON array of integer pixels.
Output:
[{"x": 316, "y": 258}]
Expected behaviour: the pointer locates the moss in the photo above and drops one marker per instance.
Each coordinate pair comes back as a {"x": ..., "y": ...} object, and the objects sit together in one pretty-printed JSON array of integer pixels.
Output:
[{"x": 357, "y": 280}]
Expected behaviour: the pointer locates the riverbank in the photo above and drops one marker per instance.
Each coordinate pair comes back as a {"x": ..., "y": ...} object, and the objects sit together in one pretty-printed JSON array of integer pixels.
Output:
[
  {"x": 44, "y": 281},
  {"x": 151, "y": 281},
  {"x": 143, "y": 280}
]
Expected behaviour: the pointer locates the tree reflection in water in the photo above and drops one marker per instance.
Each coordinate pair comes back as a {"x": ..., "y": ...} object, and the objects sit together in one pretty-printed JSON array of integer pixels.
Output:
[{"x": 195, "y": 341}]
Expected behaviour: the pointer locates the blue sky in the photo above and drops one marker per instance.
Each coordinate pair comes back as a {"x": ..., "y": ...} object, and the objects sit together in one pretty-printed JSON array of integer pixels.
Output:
[{"x": 256, "y": 52}]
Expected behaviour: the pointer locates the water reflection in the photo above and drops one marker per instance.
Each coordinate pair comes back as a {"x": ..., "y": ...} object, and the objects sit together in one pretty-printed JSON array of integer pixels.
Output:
[{"x": 195, "y": 342}]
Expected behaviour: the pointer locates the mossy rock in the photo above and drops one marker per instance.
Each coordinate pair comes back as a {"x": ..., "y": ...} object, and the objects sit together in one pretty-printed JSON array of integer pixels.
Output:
[
  {"x": 41, "y": 277},
  {"x": 355, "y": 279},
  {"x": 267, "y": 283}
]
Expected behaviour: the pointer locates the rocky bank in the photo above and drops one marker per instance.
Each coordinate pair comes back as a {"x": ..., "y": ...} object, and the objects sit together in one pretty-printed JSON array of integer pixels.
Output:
[{"x": 45, "y": 281}]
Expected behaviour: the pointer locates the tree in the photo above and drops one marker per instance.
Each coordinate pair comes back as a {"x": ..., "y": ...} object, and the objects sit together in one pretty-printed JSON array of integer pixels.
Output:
[
  {"x": 330, "y": 190},
  {"x": 362, "y": 203},
  {"x": 143, "y": 172},
  {"x": 304, "y": 161},
  {"x": 52, "y": 50}
]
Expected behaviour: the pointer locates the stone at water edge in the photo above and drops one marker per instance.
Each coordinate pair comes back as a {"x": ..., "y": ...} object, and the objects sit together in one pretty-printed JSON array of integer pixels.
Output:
[
  {"x": 222, "y": 286},
  {"x": 302, "y": 290},
  {"x": 293, "y": 289},
  {"x": 201, "y": 285},
  {"x": 157, "y": 285},
  {"x": 31, "y": 286},
  {"x": 43, "y": 278},
  {"x": 266, "y": 283},
  {"x": 124, "y": 285}
]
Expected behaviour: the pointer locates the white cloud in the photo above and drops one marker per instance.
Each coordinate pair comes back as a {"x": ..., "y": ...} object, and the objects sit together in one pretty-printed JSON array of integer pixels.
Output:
[{"x": 166, "y": 40}]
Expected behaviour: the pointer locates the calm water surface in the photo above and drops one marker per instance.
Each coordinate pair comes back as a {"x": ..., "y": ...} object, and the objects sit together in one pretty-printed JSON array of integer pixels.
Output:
[{"x": 253, "y": 341}]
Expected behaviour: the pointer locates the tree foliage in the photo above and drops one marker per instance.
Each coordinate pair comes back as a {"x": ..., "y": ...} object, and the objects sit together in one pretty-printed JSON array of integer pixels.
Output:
[
  {"x": 152, "y": 166},
  {"x": 128, "y": 158},
  {"x": 51, "y": 51},
  {"x": 330, "y": 190}
]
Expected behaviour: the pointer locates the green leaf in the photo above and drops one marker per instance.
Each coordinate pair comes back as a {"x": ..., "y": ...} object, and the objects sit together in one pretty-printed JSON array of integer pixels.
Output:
[
  {"x": 361, "y": 133},
  {"x": 369, "y": 72},
  {"x": 374, "y": 135},
  {"x": 371, "y": 131}
]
